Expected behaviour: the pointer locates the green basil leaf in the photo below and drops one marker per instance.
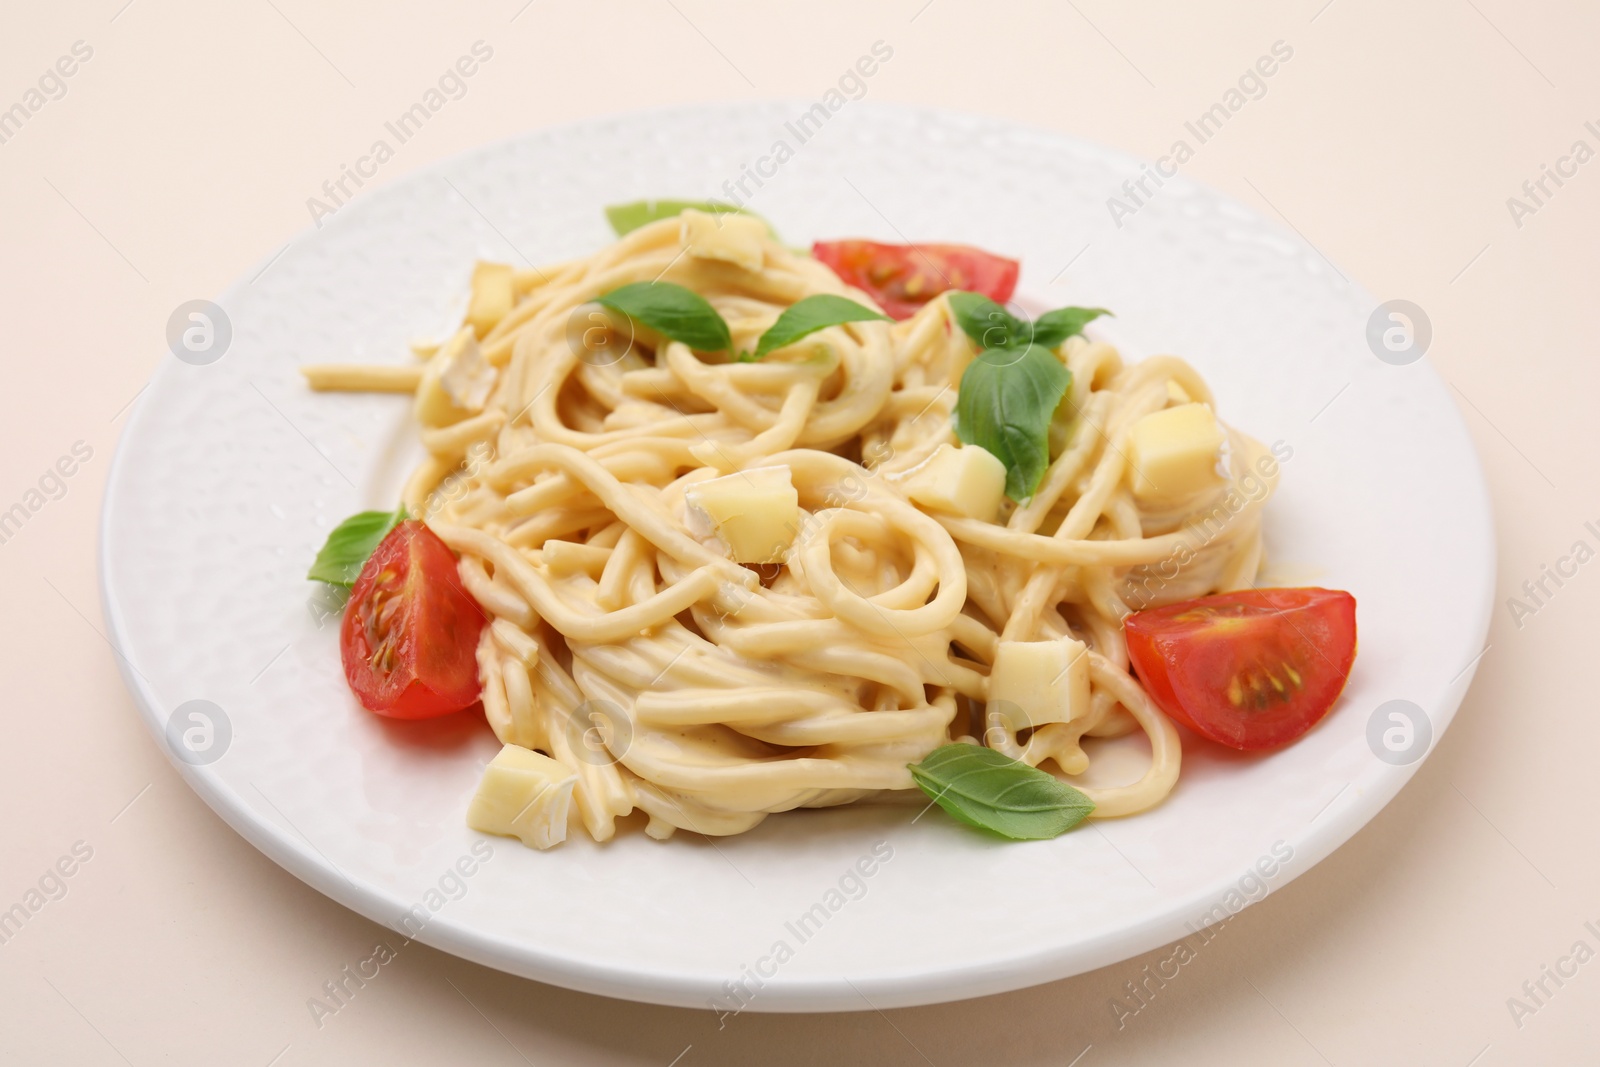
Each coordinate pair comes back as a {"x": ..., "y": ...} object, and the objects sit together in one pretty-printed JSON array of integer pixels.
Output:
[
  {"x": 625, "y": 218},
  {"x": 992, "y": 326},
  {"x": 1053, "y": 327},
  {"x": 673, "y": 311},
  {"x": 986, "y": 322},
  {"x": 806, "y": 317},
  {"x": 1004, "y": 404},
  {"x": 992, "y": 791},
  {"x": 351, "y": 542}
]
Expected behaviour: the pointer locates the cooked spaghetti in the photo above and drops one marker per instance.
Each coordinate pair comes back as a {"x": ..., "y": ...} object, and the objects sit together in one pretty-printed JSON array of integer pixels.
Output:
[{"x": 566, "y": 450}]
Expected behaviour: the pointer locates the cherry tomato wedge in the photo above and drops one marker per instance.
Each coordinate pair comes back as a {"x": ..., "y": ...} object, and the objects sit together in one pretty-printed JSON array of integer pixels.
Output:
[
  {"x": 902, "y": 278},
  {"x": 410, "y": 633},
  {"x": 1253, "y": 669}
]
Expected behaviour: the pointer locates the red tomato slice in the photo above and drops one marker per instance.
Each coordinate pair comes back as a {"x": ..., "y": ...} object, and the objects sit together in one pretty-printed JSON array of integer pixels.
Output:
[
  {"x": 1253, "y": 669},
  {"x": 410, "y": 633},
  {"x": 902, "y": 278}
]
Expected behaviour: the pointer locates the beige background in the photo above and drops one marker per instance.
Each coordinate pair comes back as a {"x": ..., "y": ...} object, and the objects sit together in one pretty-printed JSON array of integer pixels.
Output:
[{"x": 184, "y": 151}]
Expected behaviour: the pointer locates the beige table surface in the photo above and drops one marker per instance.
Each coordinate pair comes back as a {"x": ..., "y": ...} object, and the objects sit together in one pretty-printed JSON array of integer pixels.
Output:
[{"x": 184, "y": 149}]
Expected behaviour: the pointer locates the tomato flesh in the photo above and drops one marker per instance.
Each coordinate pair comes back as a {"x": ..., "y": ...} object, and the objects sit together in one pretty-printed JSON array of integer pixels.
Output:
[
  {"x": 410, "y": 633},
  {"x": 902, "y": 278},
  {"x": 1253, "y": 669}
]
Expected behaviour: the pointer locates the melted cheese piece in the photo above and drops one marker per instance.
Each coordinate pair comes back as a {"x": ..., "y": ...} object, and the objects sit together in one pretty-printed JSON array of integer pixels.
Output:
[
  {"x": 1175, "y": 453},
  {"x": 967, "y": 481},
  {"x": 492, "y": 296},
  {"x": 524, "y": 795},
  {"x": 731, "y": 238},
  {"x": 456, "y": 382},
  {"x": 1038, "y": 682},
  {"x": 754, "y": 513}
]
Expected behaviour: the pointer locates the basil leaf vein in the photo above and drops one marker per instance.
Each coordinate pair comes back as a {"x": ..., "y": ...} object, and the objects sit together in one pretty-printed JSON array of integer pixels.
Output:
[
  {"x": 991, "y": 791},
  {"x": 673, "y": 311},
  {"x": 1004, "y": 404},
  {"x": 806, "y": 317},
  {"x": 347, "y": 548}
]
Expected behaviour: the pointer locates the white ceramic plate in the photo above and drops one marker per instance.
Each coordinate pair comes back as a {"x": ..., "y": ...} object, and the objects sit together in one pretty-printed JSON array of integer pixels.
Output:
[{"x": 231, "y": 473}]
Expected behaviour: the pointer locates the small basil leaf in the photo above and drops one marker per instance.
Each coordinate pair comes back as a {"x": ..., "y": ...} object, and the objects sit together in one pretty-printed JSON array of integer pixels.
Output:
[
  {"x": 1053, "y": 327},
  {"x": 673, "y": 311},
  {"x": 806, "y": 317},
  {"x": 992, "y": 791},
  {"x": 625, "y": 218},
  {"x": 986, "y": 322},
  {"x": 351, "y": 542},
  {"x": 1004, "y": 405}
]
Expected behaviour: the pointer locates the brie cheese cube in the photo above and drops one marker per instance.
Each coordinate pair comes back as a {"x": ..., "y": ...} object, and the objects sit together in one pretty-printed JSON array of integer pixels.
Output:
[
  {"x": 456, "y": 382},
  {"x": 525, "y": 795},
  {"x": 1175, "y": 453},
  {"x": 729, "y": 237},
  {"x": 967, "y": 481},
  {"x": 1038, "y": 682},
  {"x": 754, "y": 513},
  {"x": 492, "y": 296}
]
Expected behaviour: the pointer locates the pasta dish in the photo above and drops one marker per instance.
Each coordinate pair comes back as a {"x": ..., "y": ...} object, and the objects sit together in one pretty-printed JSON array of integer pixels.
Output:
[{"x": 723, "y": 539}]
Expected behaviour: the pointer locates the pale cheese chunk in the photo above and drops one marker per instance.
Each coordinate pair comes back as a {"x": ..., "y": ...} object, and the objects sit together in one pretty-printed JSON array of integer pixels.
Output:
[
  {"x": 1037, "y": 682},
  {"x": 525, "y": 795},
  {"x": 492, "y": 296},
  {"x": 456, "y": 382},
  {"x": 967, "y": 481},
  {"x": 1174, "y": 453},
  {"x": 754, "y": 513},
  {"x": 731, "y": 238}
]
